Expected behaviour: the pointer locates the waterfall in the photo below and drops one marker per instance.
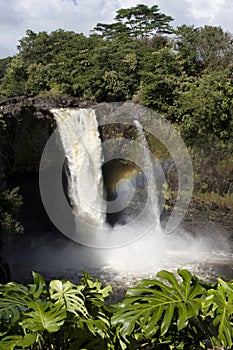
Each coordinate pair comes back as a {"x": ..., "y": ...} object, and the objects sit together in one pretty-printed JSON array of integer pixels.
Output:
[
  {"x": 149, "y": 173},
  {"x": 81, "y": 144},
  {"x": 139, "y": 246},
  {"x": 78, "y": 132}
]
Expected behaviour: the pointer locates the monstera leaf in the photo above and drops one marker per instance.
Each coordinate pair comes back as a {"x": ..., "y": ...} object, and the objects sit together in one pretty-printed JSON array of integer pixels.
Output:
[
  {"x": 38, "y": 288},
  {"x": 99, "y": 312},
  {"x": 68, "y": 296},
  {"x": 14, "y": 299},
  {"x": 93, "y": 289},
  {"x": 154, "y": 305},
  {"x": 220, "y": 302},
  {"x": 43, "y": 316},
  {"x": 15, "y": 341}
]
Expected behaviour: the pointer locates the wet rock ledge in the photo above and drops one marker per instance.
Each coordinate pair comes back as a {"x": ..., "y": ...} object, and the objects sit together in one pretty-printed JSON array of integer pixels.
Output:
[{"x": 14, "y": 106}]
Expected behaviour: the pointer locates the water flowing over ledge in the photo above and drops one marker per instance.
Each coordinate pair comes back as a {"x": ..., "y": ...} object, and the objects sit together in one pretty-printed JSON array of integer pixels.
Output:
[
  {"x": 142, "y": 237},
  {"x": 80, "y": 140},
  {"x": 78, "y": 130}
]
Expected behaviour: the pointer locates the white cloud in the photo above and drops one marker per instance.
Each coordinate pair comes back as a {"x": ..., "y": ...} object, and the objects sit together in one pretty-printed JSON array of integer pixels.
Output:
[
  {"x": 225, "y": 17},
  {"x": 16, "y": 16},
  {"x": 205, "y": 9}
]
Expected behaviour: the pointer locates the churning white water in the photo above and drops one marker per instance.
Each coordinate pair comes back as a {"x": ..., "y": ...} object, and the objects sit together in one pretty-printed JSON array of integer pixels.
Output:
[{"x": 139, "y": 245}]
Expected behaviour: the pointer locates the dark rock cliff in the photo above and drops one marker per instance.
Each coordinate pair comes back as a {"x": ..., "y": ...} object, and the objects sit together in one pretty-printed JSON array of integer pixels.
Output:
[{"x": 29, "y": 124}]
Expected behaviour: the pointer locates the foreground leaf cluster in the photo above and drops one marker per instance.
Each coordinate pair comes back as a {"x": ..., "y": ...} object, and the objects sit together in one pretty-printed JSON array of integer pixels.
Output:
[{"x": 174, "y": 311}]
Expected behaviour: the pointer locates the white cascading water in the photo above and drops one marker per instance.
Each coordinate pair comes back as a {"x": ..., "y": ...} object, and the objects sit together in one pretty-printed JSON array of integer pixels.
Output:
[
  {"x": 149, "y": 173},
  {"x": 78, "y": 131}
]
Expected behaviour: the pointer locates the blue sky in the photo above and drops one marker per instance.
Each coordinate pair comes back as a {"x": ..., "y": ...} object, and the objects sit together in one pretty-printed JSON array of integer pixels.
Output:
[{"x": 16, "y": 16}]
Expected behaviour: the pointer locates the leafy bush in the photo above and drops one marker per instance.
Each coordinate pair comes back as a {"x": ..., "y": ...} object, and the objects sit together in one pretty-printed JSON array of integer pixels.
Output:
[
  {"x": 10, "y": 203},
  {"x": 171, "y": 312}
]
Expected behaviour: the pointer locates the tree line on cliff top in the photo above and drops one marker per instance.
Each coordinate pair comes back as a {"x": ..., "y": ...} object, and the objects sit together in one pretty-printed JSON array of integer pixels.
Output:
[{"x": 184, "y": 73}]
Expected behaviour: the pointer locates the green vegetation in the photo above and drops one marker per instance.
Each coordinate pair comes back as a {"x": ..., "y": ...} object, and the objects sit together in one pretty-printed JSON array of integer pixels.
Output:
[
  {"x": 187, "y": 76},
  {"x": 137, "y": 22},
  {"x": 170, "y": 312},
  {"x": 11, "y": 201},
  {"x": 3, "y": 66}
]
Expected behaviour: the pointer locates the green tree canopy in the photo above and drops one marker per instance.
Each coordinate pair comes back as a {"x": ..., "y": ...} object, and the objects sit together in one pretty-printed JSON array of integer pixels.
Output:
[
  {"x": 207, "y": 47},
  {"x": 188, "y": 77},
  {"x": 203, "y": 106},
  {"x": 4, "y": 63},
  {"x": 111, "y": 31},
  {"x": 57, "y": 61},
  {"x": 138, "y": 21}
]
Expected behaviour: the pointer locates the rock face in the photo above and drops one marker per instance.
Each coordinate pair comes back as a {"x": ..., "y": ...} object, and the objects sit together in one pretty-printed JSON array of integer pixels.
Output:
[
  {"x": 29, "y": 124},
  {"x": 14, "y": 106}
]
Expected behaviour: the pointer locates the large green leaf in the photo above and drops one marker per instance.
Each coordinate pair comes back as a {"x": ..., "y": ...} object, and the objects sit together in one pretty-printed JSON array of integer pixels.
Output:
[
  {"x": 99, "y": 312},
  {"x": 14, "y": 299},
  {"x": 38, "y": 287},
  {"x": 10, "y": 342},
  {"x": 68, "y": 296},
  {"x": 44, "y": 316},
  {"x": 154, "y": 305},
  {"x": 94, "y": 289},
  {"x": 222, "y": 313}
]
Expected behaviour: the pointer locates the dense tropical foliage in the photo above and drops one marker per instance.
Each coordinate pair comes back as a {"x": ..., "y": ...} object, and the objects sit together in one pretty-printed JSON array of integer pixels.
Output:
[
  {"x": 174, "y": 311},
  {"x": 186, "y": 76},
  {"x": 10, "y": 200}
]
